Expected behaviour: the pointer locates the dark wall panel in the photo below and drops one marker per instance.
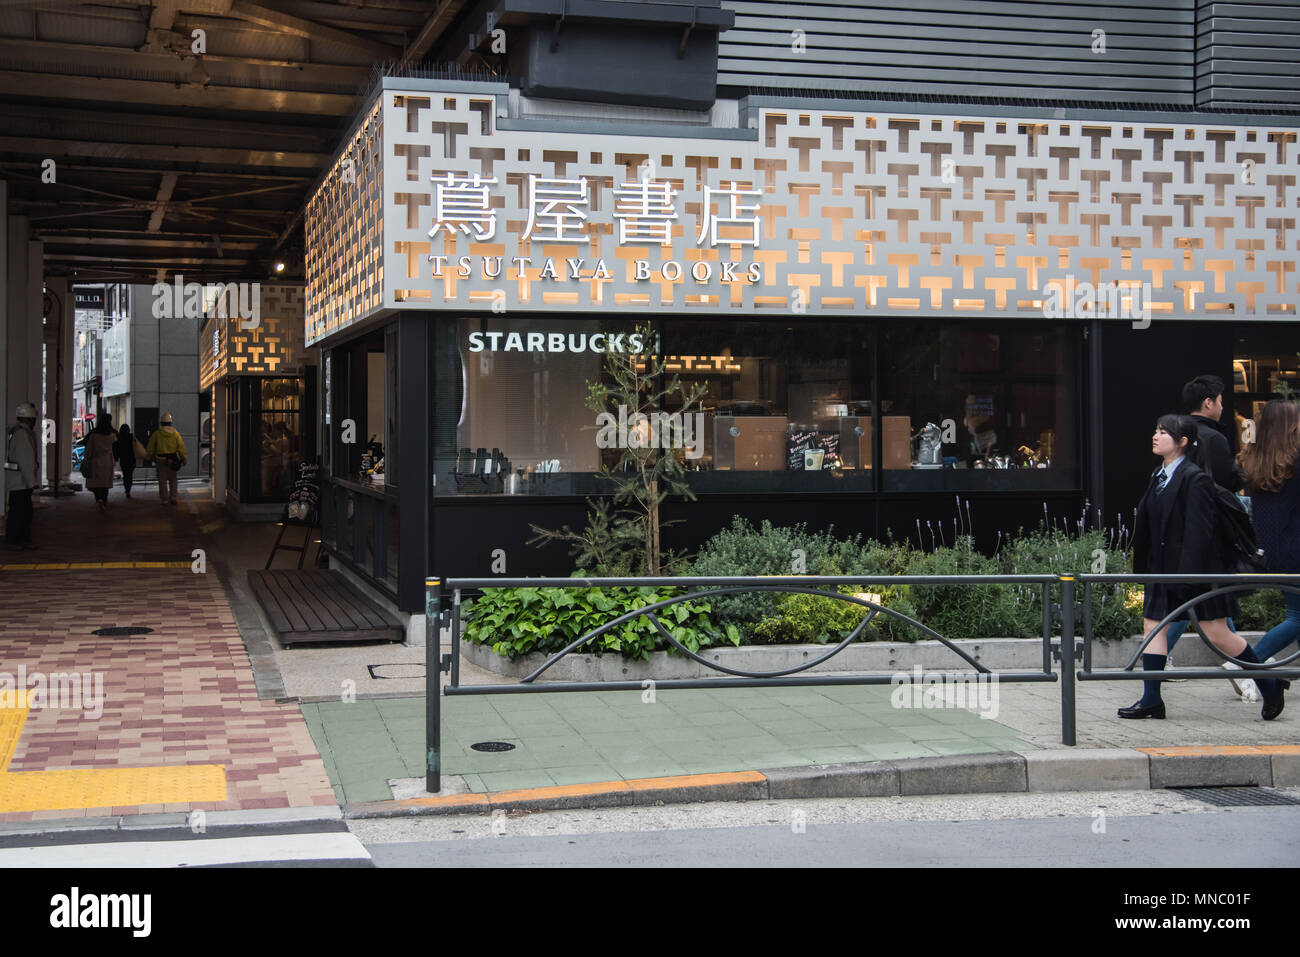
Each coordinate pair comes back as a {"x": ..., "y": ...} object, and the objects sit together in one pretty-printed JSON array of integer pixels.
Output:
[
  {"x": 967, "y": 48},
  {"x": 1247, "y": 53},
  {"x": 1144, "y": 372}
]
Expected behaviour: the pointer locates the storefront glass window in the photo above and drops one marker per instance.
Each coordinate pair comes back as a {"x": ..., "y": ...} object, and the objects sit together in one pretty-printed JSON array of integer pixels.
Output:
[
  {"x": 1266, "y": 365},
  {"x": 968, "y": 406},
  {"x": 785, "y": 407},
  {"x": 788, "y": 407}
]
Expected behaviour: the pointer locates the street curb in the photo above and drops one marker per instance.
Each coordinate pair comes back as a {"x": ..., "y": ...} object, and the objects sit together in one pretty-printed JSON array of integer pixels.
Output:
[
  {"x": 1095, "y": 769},
  {"x": 140, "y": 822}
]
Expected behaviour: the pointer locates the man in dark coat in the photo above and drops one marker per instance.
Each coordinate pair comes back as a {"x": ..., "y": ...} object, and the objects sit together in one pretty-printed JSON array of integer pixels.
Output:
[{"x": 1203, "y": 401}]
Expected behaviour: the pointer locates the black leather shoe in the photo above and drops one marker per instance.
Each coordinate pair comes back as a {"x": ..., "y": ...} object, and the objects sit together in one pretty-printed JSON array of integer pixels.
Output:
[
  {"x": 1274, "y": 703},
  {"x": 1137, "y": 711}
]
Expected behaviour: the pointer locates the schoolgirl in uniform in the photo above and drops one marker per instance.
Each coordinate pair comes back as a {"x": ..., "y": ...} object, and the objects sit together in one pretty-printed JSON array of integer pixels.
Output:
[{"x": 1174, "y": 533}]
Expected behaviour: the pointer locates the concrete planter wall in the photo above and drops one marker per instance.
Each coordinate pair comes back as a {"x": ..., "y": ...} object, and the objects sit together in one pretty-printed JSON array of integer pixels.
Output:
[{"x": 997, "y": 654}]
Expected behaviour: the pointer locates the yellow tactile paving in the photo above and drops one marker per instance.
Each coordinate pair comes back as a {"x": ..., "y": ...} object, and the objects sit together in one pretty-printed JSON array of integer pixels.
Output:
[
  {"x": 12, "y": 718},
  {"x": 111, "y": 787},
  {"x": 82, "y": 566},
  {"x": 95, "y": 787}
]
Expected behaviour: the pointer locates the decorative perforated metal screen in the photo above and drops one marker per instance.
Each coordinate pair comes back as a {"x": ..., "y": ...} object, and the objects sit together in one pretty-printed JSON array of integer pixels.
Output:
[
  {"x": 824, "y": 212},
  {"x": 272, "y": 347}
]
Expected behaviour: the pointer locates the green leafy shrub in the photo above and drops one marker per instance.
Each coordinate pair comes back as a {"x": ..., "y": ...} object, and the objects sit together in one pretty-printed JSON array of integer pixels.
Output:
[
  {"x": 767, "y": 550},
  {"x": 515, "y": 621},
  {"x": 1260, "y": 611},
  {"x": 963, "y": 611},
  {"x": 1116, "y": 609}
]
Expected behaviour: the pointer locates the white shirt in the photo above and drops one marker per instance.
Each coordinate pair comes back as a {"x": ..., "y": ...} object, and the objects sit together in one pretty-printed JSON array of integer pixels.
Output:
[{"x": 1169, "y": 470}]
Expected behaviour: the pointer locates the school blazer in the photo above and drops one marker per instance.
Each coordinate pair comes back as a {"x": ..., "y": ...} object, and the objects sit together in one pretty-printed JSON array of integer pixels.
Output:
[{"x": 1187, "y": 533}]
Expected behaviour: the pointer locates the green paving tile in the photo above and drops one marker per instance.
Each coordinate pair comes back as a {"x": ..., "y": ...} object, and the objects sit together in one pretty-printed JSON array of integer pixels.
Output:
[
  {"x": 808, "y": 739},
  {"x": 959, "y": 746},
  {"x": 929, "y": 732},
  {"x": 725, "y": 732},
  {"x": 711, "y": 719},
  {"x": 890, "y": 752},
  {"x": 840, "y": 722},
  {"x": 473, "y": 782},
  {"x": 688, "y": 702},
  {"x": 583, "y": 774},
  {"x": 790, "y": 725},
  {"x": 678, "y": 734},
  {"x": 510, "y": 780},
  {"x": 753, "y": 742},
  {"x": 783, "y": 759},
  {"x": 650, "y": 769},
  {"x": 840, "y": 755},
  {"x": 357, "y": 790}
]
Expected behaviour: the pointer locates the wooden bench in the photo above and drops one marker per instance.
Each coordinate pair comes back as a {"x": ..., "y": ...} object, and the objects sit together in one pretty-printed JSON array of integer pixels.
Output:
[{"x": 319, "y": 605}]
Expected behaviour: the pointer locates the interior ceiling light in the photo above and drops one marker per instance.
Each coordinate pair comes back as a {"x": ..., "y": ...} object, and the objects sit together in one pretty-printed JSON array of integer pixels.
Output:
[{"x": 279, "y": 266}]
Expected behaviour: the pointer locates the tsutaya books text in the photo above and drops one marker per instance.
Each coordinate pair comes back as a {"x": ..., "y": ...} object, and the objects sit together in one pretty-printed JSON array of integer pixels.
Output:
[{"x": 644, "y": 210}]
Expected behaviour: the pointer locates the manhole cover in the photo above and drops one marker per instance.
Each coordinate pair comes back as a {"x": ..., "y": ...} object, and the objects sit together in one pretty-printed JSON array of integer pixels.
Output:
[
  {"x": 1244, "y": 796},
  {"x": 492, "y": 746},
  {"x": 122, "y": 632}
]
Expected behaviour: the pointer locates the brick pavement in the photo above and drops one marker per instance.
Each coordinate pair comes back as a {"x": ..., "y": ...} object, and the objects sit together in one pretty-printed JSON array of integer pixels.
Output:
[{"x": 182, "y": 695}]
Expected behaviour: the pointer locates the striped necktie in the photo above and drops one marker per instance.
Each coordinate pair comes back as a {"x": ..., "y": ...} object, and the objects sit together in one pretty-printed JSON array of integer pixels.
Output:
[{"x": 1164, "y": 480}]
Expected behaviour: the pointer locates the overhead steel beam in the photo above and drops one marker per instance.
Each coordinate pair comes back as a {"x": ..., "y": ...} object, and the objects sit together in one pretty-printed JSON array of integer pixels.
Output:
[
  {"x": 95, "y": 56},
  {"x": 165, "y": 187},
  {"x": 71, "y": 88},
  {"x": 431, "y": 31},
  {"x": 181, "y": 154},
  {"x": 266, "y": 17}
]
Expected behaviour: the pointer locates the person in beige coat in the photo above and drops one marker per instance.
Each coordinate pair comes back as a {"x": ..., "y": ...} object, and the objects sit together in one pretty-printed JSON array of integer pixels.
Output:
[{"x": 99, "y": 452}]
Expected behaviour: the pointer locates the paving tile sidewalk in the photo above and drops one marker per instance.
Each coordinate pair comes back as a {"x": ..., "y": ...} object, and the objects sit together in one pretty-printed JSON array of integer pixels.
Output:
[
  {"x": 605, "y": 736},
  {"x": 565, "y": 738},
  {"x": 182, "y": 695}
]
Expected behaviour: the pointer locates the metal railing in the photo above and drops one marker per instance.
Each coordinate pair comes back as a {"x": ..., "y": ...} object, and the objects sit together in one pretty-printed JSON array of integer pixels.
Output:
[
  {"x": 436, "y": 617},
  {"x": 1219, "y": 585},
  {"x": 696, "y": 588}
]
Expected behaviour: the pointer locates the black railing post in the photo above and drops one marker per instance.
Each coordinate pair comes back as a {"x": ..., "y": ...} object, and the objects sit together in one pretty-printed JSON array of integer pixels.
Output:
[
  {"x": 432, "y": 685},
  {"x": 1067, "y": 660}
]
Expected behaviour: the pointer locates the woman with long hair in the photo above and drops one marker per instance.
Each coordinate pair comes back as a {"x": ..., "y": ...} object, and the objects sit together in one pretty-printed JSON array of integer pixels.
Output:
[
  {"x": 1174, "y": 533},
  {"x": 1271, "y": 465}
]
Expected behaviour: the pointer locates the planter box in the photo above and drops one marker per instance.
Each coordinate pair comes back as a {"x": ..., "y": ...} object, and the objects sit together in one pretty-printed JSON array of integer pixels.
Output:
[{"x": 997, "y": 654}]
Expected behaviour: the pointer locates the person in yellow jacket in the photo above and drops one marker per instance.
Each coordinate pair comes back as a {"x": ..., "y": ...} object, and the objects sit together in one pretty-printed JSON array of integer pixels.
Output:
[{"x": 167, "y": 450}]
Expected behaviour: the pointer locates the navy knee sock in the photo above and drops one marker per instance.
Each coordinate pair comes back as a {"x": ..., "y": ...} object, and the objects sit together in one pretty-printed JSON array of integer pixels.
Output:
[
  {"x": 1151, "y": 689},
  {"x": 1267, "y": 686}
]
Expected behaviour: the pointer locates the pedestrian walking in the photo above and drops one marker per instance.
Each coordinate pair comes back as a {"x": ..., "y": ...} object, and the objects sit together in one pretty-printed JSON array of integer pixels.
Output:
[
  {"x": 20, "y": 477},
  {"x": 1272, "y": 471},
  {"x": 166, "y": 449},
  {"x": 126, "y": 452},
  {"x": 100, "y": 447},
  {"x": 1174, "y": 533},
  {"x": 1203, "y": 401}
]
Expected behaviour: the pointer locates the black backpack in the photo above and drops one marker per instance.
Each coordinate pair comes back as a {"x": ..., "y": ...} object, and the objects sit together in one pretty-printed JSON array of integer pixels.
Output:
[{"x": 1236, "y": 536}]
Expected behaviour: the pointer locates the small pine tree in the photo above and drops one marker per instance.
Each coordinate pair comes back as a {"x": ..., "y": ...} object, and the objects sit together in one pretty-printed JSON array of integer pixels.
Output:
[{"x": 643, "y": 474}]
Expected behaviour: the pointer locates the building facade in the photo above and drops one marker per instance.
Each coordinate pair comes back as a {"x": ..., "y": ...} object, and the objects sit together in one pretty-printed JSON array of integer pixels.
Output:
[{"x": 898, "y": 307}]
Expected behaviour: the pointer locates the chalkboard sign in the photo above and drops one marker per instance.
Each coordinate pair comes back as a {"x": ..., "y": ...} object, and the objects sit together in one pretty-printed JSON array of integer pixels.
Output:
[
  {"x": 304, "y": 497},
  {"x": 802, "y": 440}
]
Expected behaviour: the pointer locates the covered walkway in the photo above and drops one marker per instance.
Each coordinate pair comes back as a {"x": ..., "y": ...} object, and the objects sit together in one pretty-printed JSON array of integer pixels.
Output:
[{"x": 177, "y": 704}]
